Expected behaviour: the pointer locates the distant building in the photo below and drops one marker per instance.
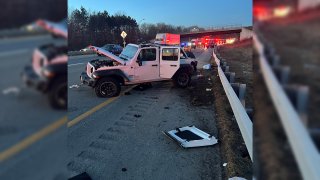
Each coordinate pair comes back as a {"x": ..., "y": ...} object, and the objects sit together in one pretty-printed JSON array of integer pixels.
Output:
[{"x": 246, "y": 33}]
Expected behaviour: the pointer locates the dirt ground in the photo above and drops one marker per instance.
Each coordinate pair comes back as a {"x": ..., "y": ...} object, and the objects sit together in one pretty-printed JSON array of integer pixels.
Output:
[
  {"x": 206, "y": 91},
  {"x": 296, "y": 40},
  {"x": 239, "y": 59}
]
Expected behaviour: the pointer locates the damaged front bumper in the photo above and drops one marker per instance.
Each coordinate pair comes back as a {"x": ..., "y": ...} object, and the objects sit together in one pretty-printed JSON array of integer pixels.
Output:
[
  {"x": 32, "y": 79},
  {"x": 85, "y": 79}
]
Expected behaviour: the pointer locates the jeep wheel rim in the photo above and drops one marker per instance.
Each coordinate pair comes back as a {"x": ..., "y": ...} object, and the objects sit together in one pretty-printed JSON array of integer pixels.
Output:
[
  {"x": 183, "y": 79},
  {"x": 108, "y": 89}
]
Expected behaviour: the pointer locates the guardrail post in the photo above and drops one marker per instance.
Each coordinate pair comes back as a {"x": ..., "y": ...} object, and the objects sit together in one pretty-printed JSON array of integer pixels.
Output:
[
  {"x": 240, "y": 90},
  {"x": 225, "y": 68},
  {"x": 298, "y": 95},
  {"x": 282, "y": 74},
  {"x": 274, "y": 60},
  {"x": 230, "y": 76},
  {"x": 250, "y": 113}
]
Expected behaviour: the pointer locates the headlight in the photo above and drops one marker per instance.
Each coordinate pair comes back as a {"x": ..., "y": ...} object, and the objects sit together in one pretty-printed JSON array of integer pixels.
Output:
[
  {"x": 47, "y": 73},
  {"x": 95, "y": 76}
]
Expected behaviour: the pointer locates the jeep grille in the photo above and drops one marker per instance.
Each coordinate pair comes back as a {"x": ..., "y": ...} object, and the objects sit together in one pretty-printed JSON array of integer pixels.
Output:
[{"x": 90, "y": 69}]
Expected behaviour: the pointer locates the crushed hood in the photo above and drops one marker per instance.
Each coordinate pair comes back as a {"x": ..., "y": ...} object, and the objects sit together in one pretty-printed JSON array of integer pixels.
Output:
[
  {"x": 55, "y": 28},
  {"x": 108, "y": 54}
]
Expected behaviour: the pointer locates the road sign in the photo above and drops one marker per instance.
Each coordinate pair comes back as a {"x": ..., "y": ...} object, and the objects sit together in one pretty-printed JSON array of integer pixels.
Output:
[{"x": 123, "y": 34}]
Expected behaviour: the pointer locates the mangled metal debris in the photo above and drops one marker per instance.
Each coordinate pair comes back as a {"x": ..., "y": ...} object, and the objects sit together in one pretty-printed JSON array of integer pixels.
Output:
[
  {"x": 82, "y": 176},
  {"x": 75, "y": 86},
  {"x": 13, "y": 90},
  {"x": 190, "y": 136},
  {"x": 237, "y": 178},
  {"x": 224, "y": 164}
]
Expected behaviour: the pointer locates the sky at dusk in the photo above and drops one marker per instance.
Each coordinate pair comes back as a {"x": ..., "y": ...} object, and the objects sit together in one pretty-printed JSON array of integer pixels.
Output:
[{"x": 208, "y": 13}]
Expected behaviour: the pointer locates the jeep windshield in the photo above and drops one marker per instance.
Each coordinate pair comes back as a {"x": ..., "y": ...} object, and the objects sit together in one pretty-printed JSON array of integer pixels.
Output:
[{"x": 128, "y": 52}]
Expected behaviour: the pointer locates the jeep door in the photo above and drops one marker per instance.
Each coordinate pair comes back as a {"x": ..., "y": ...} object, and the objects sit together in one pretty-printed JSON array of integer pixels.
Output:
[
  {"x": 147, "y": 66},
  {"x": 169, "y": 61}
]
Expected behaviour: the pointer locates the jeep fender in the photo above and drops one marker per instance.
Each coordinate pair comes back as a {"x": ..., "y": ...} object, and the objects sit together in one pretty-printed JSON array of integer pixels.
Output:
[
  {"x": 60, "y": 70},
  {"x": 184, "y": 68},
  {"x": 116, "y": 73}
]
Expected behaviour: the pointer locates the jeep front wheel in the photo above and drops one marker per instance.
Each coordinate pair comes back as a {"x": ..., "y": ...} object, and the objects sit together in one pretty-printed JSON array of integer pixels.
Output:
[
  {"x": 58, "y": 93},
  {"x": 107, "y": 87},
  {"x": 182, "y": 79}
]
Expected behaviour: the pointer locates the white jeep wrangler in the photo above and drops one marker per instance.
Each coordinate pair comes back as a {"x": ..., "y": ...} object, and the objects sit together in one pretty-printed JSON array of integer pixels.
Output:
[{"x": 138, "y": 64}]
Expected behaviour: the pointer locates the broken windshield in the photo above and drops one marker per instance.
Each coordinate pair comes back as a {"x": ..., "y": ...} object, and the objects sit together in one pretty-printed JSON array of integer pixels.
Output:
[{"x": 128, "y": 52}]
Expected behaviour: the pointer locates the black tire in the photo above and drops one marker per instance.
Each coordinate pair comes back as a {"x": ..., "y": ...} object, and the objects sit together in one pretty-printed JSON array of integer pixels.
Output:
[
  {"x": 194, "y": 66},
  {"x": 58, "y": 93},
  {"x": 182, "y": 79},
  {"x": 107, "y": 87}
]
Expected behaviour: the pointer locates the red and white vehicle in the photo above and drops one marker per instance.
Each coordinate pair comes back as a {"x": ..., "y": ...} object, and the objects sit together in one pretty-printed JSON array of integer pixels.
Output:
[
  {"x": 138, "y": 64},
  {"x": 167, "y": 39}
]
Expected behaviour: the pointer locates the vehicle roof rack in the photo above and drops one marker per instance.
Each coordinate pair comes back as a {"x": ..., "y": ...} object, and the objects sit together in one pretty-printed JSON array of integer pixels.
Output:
[
  {"x": 149, "y": 45},
  {"x": 156, "y": 45}
]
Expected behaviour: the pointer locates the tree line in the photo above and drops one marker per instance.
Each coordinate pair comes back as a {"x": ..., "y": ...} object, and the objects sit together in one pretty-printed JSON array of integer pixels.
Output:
[{"x": 99, "y": 28}]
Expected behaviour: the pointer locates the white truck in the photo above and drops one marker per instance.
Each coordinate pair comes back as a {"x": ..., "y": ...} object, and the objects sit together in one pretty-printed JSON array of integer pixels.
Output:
[{"x": 138, "y": 64}]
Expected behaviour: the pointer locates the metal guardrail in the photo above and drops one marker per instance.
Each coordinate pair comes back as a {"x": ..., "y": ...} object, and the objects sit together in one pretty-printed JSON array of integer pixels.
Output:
[
  {"x": 304, "y": 150},
  {"x": 242, "y": 118}
]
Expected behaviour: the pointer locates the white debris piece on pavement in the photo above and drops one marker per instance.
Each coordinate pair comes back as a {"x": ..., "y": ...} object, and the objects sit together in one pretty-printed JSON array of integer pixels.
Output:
[
  {"x": 237, "y": 178},
  {"x": 207, "y": 66},
  {"x": 224, "y": 164},
  {"x": 190, "y": 136},
  {"x": 208, "y": 89},
  {"x": 74, "y": 86},
  {"x": 13, "y": 90}
]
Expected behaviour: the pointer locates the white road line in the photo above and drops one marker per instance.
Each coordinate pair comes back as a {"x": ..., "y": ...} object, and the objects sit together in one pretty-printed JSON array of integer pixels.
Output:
[
  {"x": 9, "y": 53},
  {"x": 75, "y": 64}
]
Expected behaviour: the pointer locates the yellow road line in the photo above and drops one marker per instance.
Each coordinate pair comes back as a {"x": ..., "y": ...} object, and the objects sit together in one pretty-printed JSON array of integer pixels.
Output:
[
  {"x": 91, "y": 111},
  {"x": 95, "y": 109},
  {"x": 32, "y": 139}
]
